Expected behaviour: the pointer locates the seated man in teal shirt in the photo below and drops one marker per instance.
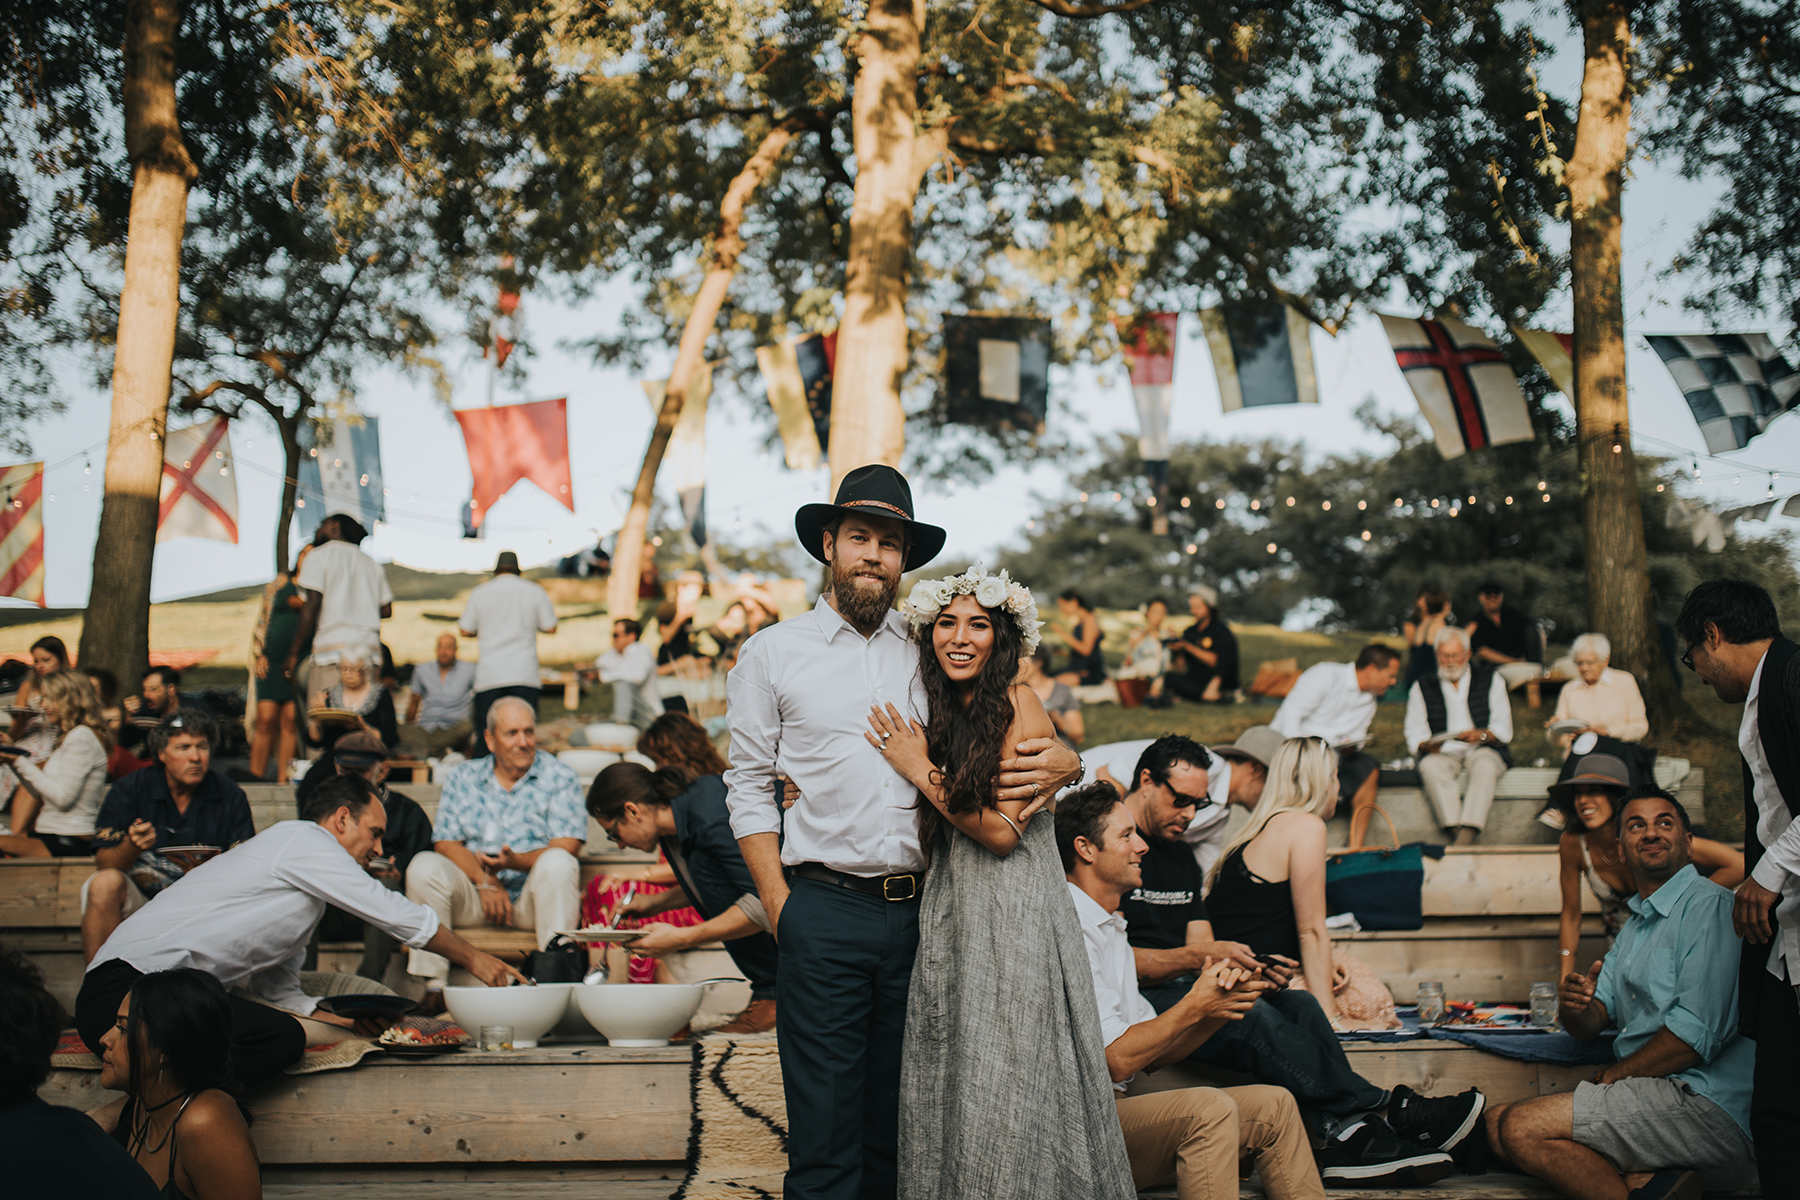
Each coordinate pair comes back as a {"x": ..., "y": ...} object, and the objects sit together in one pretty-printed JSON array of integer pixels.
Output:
[{"x": 1671, "y": 1115}]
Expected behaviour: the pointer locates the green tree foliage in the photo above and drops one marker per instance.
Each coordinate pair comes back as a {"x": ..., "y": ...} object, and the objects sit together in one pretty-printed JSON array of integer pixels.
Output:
[
  {"x": 1435, "y": 535},
  {"x": 1731, "y": 69}
]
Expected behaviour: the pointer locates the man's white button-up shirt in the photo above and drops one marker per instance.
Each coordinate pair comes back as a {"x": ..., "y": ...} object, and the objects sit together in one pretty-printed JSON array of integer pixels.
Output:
[{"x": 798, "y": 702}]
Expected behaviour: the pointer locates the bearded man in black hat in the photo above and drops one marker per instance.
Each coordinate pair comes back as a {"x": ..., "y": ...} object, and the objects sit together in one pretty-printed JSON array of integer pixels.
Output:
[{"x": 841, "y": 883}]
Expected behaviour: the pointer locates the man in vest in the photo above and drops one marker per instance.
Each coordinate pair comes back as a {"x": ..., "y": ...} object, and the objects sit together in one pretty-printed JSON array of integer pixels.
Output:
[
  {"x": 1460, "y": 722},
  {"x": 1734, "y": 644}
]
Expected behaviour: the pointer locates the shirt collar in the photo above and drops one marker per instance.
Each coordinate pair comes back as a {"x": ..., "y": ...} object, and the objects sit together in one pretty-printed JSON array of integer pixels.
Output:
[
  {"x": 831, "y": 621},
  {"x": 493, "y": 775},
  {"x": 1664, "y": 898},
  {"x": 1090, "y": 912},
  {"x": 1756, "y": 680}
]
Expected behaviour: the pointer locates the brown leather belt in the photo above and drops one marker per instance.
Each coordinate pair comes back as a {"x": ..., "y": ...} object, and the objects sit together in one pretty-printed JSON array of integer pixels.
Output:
[{"x": 893, "y": 888}]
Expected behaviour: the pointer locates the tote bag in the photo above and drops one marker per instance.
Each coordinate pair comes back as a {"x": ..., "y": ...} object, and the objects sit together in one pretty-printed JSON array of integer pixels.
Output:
[{"x": 1380, "y": 884}]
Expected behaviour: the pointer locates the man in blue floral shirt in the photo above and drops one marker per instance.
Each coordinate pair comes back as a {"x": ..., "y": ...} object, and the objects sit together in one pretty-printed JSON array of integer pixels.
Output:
[{"x": 507, "y": 832}]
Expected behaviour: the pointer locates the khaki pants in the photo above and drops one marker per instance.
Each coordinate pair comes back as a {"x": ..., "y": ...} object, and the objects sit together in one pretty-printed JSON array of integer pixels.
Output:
[
  {"x": 551, "y": 901},
  {"x": 1441, "y": 770},
  {"x": 432, "y": 743},
  {"x": 1195, "y": 1136}
]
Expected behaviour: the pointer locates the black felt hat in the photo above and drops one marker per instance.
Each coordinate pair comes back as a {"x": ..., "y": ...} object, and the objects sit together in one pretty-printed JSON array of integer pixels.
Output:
[{"x": 872, "y": 491}]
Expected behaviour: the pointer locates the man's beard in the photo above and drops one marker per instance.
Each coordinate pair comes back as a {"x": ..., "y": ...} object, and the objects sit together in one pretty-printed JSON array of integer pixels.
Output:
[
  {"x": 863, "y": 607},
  {"x": 1453, "y": 674}
]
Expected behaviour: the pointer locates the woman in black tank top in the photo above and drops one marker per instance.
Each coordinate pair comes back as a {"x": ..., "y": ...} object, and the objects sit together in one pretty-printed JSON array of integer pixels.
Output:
[
  {"x": 168, "y": 1053},
  {"x": 1284, "y": 837}
]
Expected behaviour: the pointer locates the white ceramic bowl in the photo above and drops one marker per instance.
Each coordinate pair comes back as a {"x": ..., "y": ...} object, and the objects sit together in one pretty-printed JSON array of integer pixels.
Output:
[
  {"x": 638, "y": 1014},
  {"x": 531, "y": 1011},
  {"x": 610, "y": 735},
  {"x": 587, "y": 763},
  {"x": 572, "y": 1024}
]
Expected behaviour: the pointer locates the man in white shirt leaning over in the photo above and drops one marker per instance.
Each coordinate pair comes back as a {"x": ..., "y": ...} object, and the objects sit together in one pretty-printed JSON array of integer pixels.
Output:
[
  {"x": 1458, "y": 722},
  {"x": 1337, "y": 701},
  {"x": 1192, "y": 1136},
  {"x": 506, "y": 613},
  {"x": 245, "y": 917}
]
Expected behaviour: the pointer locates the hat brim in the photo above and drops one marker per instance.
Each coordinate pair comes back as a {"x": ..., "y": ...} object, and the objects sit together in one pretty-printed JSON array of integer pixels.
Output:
[
  {"x": 924, "y": 542},
  {"x": 1237, "y": 752},
  {"x": 1576, "y": 783}
]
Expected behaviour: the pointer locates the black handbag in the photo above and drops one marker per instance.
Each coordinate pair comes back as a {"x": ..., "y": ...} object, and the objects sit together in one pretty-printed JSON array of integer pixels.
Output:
[{"x": 562, "y": 961}]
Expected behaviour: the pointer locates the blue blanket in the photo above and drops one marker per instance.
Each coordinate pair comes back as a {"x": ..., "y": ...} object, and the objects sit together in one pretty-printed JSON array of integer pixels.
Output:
[{"x": 1532, "y": 1047}]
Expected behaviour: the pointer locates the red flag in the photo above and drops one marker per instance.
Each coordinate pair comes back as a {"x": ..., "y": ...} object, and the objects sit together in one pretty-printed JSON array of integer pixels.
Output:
[
  {"x": 22, "y": 532},
  {"x": 514, "y": 442},
  {"x": 502, "y": 348}
]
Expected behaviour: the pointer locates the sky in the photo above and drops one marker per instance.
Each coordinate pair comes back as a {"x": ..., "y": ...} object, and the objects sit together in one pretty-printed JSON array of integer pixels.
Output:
[{"x": 751, "y": 495}]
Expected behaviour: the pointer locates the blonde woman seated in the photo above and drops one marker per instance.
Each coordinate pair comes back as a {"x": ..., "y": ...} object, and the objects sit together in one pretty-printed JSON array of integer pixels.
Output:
[
  {"x": 1268, "y": 888},
  {"x": 55, "y": 806},
  {"x": 1608, "y": 700}
]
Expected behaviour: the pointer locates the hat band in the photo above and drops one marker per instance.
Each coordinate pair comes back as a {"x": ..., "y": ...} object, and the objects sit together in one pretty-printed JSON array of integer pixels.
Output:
[{"x": 895, "y": 509}]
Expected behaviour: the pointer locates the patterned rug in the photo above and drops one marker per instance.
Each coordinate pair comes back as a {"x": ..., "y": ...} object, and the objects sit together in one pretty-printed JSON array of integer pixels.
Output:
[{"x": 737, "y": 1147}]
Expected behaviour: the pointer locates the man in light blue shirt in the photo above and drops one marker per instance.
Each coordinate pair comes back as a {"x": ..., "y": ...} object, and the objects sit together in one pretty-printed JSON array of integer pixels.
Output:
[
  {"x": 507, "y": 832},
  {"x": 440, "y": 703},
  {"x": 1671, "y": 1114}
]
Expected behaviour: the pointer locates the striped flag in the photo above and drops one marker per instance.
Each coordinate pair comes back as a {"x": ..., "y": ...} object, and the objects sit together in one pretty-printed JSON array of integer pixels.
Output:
[
  {"x": 22, "y": 532},
  {"x": 1468, "y": 393},
  {"x": 1149, "y": 346},
  {"x": 997, "y": 370},
  {"x": 1735, "y": 383},
  {"x": 1555, "y": 352},
  {"x": 199, "y": 491},
  {"x": 341, "y": 473},
  {"x": 1262, "y": 355}
]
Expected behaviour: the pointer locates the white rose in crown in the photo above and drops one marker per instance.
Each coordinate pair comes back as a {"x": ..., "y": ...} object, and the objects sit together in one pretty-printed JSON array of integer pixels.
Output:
[
  {"x": 990, "y": 592},
  {"x": 925, "y": 598}
]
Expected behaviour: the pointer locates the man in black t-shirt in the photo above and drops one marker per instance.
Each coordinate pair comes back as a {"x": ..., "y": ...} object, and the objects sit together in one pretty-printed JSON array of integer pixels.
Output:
[
  {"x": 1502, "y": 635},
  {"x": 1369, "y": 1134}
]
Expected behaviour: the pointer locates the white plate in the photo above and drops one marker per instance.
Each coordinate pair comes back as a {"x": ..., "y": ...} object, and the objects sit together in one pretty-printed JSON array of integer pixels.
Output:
[{"x": 601, "y": 935}]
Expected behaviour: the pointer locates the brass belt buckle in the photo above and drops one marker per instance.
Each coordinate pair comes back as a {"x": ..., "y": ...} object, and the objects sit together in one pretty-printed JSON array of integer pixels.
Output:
[{"x": 911, "y": 882}]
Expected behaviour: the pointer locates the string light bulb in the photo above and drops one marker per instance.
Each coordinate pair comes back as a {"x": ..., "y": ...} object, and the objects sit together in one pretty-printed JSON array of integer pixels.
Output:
[
  {"x": 1362, "y": 505},
  {"x": 1509, "y": 499},
  {"x": 1542, "y": 486},
  {"x": 1366, "y": 535},
  {"x": 1192, "y": 549},
  {"x": 1271, "y": 547},
  {"x": 1326, "y": 506},
  {"x": 1218, "y": 504},
  {"x": 1290, "y": 502},
  {"x": 1186, "y": 500},
  {"x": 1255, "y": 505}
]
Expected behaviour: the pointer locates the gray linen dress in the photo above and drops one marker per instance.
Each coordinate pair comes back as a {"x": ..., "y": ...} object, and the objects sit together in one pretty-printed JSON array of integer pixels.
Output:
[{"x": 1004, "y": 1092}]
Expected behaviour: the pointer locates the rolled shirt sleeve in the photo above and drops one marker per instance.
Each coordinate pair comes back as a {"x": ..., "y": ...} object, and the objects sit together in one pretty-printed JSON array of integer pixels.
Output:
[
  {"x": 1780, "y": 861},
  {"x": 755, "y": 720},
  {"x": 751, "y": 905},
  {"x": 1603, "y": 992},
  {"x": 1704, "y": 1014}
]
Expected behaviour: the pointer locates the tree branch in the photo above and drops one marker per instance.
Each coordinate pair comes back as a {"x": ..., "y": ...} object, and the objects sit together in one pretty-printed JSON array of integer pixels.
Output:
[{"x": 1084, "y": 12}]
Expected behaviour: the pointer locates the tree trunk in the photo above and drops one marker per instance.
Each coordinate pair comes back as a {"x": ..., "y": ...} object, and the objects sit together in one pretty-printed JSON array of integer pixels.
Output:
[
  {"x": 868, "y": 423},
  {"x": 1619, "y": 600},
  {"x": 115, "y": 632},
  {"x": 628, "y": 554},
  {"x": 290, "y": 487}
]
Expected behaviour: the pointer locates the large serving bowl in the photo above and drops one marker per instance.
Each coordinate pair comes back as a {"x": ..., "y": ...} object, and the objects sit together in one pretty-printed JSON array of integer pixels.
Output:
[
  {"x": 531, "y": 1011},
  {"x": 610, "y": 735},
  {"x": 638, "y": 1014},
  {"x": 586, "y": 763},
  {"x": 571, "y": 1024}
]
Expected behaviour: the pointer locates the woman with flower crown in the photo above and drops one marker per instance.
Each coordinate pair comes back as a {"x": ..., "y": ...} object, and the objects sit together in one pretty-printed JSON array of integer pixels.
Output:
[{"x": 1004, "y": 1090}]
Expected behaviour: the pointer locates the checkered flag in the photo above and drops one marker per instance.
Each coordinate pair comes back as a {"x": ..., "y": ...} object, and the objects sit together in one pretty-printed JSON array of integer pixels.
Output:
[{"x": 1735, "y": 383}]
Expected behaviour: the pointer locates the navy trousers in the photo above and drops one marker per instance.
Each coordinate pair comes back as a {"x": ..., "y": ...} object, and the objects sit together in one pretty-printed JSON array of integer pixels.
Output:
[
  {"x": 846, "y": 966},
  {"x": 1285, "y": 1041}
]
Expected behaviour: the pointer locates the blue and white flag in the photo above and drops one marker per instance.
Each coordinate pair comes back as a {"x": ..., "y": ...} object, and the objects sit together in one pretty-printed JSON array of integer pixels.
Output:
[
  {"x": 1735, "y": 383},
  {"x": 1261, "y": 354},
  {"x": 340, "y": 472}
]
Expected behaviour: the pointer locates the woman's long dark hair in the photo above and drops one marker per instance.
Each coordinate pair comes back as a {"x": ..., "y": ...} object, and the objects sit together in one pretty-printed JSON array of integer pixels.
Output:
[
  {"x": 183, "y": 1014},
  {"x": 675, "y": 739},
  {"x": 625, "y": 783},
  {"x": 967, "y": 741}
]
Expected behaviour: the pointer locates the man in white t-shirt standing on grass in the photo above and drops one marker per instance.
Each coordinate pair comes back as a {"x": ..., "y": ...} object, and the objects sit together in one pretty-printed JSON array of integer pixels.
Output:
[
  {"x": 346, "y": 595},
  {"x": 506, "y": 613}
]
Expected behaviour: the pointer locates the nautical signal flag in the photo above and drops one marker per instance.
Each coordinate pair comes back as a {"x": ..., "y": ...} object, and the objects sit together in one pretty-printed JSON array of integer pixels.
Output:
[
  {"x": 684, "y": 462},
  {"x": 1555, "y": 352},
  {"x": 341, "y": 472},
  {"x": 1149, "y": 346},
  {"x": 798, "y": 374},
  {"x": 997, "y": 370},
  {"x": 514, "y": 442},
  {"x": 22, "y": 532},
  {"x": 1262, "y": 355},
  {"x": 1464, "y": 386},
  {"x": 1735, "y": 383},
  {"x": 199, "y": 488}
]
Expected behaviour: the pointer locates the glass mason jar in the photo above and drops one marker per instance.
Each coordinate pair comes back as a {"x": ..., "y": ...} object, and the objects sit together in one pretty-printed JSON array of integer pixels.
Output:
[
  {"x": 1431, "y": 1003},
  {"x": 1543, "y": 1005}
]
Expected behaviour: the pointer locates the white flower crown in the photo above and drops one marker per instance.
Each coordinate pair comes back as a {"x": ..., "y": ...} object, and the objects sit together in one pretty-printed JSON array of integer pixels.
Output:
[{"x": 930, "y": 596}]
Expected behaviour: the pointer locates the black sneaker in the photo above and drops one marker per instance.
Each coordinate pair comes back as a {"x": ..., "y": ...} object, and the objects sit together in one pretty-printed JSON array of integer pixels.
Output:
[
  {"x": 1434, "y": 1122},
  {"x": 1374, "y": 1157}
]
